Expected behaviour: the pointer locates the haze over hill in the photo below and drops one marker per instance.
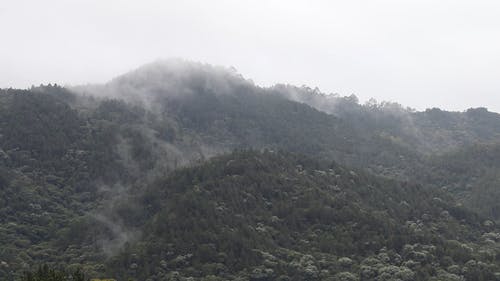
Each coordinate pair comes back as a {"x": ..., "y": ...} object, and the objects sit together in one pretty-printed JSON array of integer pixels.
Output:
[
  {"x": 181, "y": 170},
  {"x": 420, "y": 53}
]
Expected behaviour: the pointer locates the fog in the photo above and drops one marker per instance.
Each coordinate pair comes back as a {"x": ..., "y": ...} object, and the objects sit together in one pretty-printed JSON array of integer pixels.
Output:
[{"x": 417, "y": 53}]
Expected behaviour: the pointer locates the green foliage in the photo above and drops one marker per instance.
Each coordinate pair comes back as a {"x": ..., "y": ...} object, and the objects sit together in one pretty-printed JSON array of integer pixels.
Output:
[
  {"x": 279, "y": 214},
  {"x": 45, "y": 273},
  {"x": 204, "y": 175}
]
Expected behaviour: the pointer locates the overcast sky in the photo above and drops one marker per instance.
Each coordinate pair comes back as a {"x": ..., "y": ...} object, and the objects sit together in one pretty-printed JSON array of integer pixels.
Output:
[{"x": 419, "y": 53}]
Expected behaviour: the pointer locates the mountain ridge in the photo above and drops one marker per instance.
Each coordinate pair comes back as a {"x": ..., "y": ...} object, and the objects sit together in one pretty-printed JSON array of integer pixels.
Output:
[{"x": 94, "y": 177}]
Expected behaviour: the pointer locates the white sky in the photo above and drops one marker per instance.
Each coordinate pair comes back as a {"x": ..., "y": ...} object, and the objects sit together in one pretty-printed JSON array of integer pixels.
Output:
[{"x": 420, "y": 53}]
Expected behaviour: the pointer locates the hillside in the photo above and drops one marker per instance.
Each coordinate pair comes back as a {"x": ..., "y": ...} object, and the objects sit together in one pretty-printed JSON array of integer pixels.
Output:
[
  {"x": 181, "y": 169},
  {"x": 268, "y": 216},
  {"x": 471, "y": 173},
  {"x": 429, "y": 132}
]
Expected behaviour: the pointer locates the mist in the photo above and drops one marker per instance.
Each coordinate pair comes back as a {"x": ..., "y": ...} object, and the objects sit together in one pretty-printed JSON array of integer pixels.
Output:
[
  {"x": 249, "y": 140},
  {"x": 419, "y": 54}
]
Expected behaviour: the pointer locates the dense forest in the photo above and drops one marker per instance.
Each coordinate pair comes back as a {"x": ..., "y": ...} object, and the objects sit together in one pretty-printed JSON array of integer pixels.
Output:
[{"x": 186, "y": 171}]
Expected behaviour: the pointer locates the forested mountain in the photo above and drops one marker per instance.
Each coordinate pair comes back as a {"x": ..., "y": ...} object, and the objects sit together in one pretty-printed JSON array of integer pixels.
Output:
[
  {"x": 472, "y": 174},
  {"x": 430, "y": 131},
  {"x": 186, "y": 171},
  {"x": 274, "y": 215}
]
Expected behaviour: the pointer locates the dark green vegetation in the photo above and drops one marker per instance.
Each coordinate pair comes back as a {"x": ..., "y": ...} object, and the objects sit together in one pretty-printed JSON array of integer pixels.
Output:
[
  {"x": 269, "y": 215},
  {"x": 180, "y": 170},
  {"x": 45, "y": 273}
]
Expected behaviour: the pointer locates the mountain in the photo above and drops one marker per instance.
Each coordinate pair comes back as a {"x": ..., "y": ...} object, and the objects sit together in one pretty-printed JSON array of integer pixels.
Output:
[
  {"x": 271, "y": 215},
  {"x": 182, "y": 170},
  {"x": 431, "y": 131},
  {"x": 230, "y": 112}
]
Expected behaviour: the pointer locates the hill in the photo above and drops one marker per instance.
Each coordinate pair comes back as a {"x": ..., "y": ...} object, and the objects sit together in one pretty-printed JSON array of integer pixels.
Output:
[
  {"x": 182, "y": 169},
  {"x": 277, "y": 216}
]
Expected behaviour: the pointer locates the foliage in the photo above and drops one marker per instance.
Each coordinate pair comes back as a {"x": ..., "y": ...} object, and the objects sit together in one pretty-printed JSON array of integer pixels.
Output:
[
  {"x": 191, "y": 172},
  {"x": 45, "y": 273}
]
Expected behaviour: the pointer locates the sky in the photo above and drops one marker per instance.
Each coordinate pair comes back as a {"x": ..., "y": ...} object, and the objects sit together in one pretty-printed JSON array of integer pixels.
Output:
[{"x": 419, "y": 53}]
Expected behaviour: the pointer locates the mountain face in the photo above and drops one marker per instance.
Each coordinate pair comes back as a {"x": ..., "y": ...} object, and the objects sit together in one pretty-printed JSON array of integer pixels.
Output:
[
  {"x": 275, "y": 215},
  {"x": 430, "y": 131},
  {"x": 185, "y": 171}
]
